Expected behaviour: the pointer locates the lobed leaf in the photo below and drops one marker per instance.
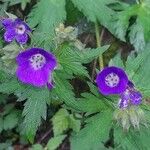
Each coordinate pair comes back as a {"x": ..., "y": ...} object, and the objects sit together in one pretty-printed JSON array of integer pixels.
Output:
[
  {"x": 97, "y": 10},
  {"x": 46, "y": 15},
  {"x": 54, "y": 142},
  {"x": 35, "y": 109},
  {"x": 94, "y": 133},
  {"x": 134, "y": 19}
]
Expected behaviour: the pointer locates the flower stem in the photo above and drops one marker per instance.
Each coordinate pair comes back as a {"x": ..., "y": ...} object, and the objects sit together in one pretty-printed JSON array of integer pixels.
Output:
[
  {"x": 98, "y": 41},
  {"x": 139, "y": 1}
]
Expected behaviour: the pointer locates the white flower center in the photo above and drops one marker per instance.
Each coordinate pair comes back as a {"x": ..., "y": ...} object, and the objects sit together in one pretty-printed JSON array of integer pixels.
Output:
[
  {"x": 37, "y": 61},
  {"x": 20, "y": 29},
  {"x": 112, "y": 80}
]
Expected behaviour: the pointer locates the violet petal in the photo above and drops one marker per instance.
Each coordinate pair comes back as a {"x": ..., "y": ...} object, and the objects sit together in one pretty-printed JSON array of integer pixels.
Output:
[
  {"x": 29, "y": 76},
  {"x": 22, "y": 39},
  {"x": 7, "y": 23},
  {"x": 9, "y": 35},
  {"x": 136, "y": 98}
]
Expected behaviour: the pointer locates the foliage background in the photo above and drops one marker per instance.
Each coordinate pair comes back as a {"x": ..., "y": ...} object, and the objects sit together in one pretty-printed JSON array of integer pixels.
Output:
[{"x": 74, "y": 115}]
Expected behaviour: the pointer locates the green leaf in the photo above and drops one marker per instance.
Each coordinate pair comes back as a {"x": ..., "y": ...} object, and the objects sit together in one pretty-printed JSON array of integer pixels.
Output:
[
  {"x": 13, "y": 2},
  {"x": 93, "y": 89},
  {"x": 138, "y": 72},
  {"x": 74, "y": 68},
  {"x": 60, "y": 122},
  {"x": 63, "y": 89},
  {"x": 71, "y": 59},
  {"x": 4, "y": 76},
  {"x": 137, "y": 68},
  {"x": 54, "y": 142},
  {"x": 93, "y": 102},
  {"x": 1, "y": 124},
  {"x": 96, "y": 10},
  {"x": 6, "y": 145},
  {"x": 117, "y": 61},
  {"x": 10, "y": 86},
  {"x": 37, "y": 147},
  {"x": 122, "y": 21},
  {"x": 74, "y": 124},
  {"x": 46, "y": 15},
  {"x": 90, "y": 103},
  {"x": 1, "y": 41},
  {"x": 135, "y": 140},
  {"x": 3, "y": 98},
  {"x": 87, "y": 55},
  {"x": 139, "y": 31},
  {"x": 75, "y": 15},
  {"x": 3, "y": 8},
  {"x": 35, "y": 109},
  {"x": 24, "y": 3},
  {"x": 136, "y": 35},
  {"x": 7, "y": 109},
  {"x": 94, "y": 133},
  {"x": 8, "y": 59},
  {"x": 10, "y": 121}
]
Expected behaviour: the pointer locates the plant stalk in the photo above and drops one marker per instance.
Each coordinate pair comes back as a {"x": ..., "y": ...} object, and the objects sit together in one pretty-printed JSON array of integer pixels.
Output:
[{"x": 98, "y": 42}]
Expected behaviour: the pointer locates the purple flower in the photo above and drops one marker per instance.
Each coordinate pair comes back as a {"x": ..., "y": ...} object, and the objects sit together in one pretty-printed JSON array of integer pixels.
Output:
[
  {"x": 16, "y": 29},
  {"x": 130, "y": 97},
  {"x": 112, "y": 80},
  {"x": 35, "y": 66}
]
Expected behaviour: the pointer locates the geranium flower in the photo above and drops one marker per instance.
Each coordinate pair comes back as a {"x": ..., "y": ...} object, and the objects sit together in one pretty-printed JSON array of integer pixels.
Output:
[
  {"x": 16, "y": 29},
  {"x": 35, "y": 66},
  {"x": 112, "y": 80},
  {"x": 130, "y": 97}
]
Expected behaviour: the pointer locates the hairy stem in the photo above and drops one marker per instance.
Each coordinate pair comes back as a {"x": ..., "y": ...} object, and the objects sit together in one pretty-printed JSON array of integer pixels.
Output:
[{"x": 98, "y": 42}]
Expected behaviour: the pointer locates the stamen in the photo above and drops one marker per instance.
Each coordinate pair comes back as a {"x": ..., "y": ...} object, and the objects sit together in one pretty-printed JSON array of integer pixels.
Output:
[
  {"x": 20, "y": 29},
  {"x": 37, "y": 61},
  {"x": 112, "y": 80}
]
